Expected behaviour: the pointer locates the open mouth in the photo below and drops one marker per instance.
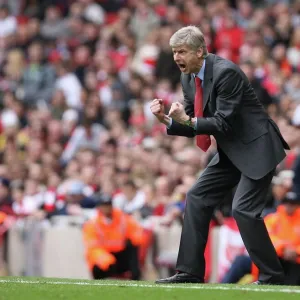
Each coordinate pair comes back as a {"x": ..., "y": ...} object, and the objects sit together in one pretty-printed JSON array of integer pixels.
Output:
[{"x": 182, "y": 66}]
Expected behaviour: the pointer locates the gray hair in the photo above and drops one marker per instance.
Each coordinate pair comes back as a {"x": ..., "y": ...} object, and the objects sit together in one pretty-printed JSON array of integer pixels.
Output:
[{"x": 191, "y": 36}]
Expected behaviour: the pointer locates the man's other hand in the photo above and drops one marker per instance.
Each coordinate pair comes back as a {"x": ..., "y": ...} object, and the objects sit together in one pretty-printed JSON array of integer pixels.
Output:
[
  {"x": 157, "y": 108},
  {"x": 177, "y": 113}
]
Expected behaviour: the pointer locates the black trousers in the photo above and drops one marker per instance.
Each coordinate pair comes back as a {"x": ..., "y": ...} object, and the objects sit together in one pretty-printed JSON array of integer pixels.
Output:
[
  {"x": 248, "y": 203},
  {"x": 242, "y": 266},
  {"x": 127, "y": 260},
  {"x": 292, "y": 272}
]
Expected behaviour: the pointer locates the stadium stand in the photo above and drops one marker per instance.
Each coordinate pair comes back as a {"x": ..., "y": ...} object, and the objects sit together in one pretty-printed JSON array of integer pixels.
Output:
[{"x": 76, "y": 79}]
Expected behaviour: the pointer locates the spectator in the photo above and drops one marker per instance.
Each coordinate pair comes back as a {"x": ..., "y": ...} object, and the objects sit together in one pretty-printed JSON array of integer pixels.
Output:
[
  {"x": 11, "y": 137},
  {"x": 93, "y": 12},
  {"x": 76, "y": 199},
  {"x": 53, "y": 26},
  {"x": 88, "y": 135},
  {"x": 8, "y": 23},
  {"x": 69, "y": 84},
  {"x": 58, "y": 104},
  {"x": 282, "y": 227},
  {"x": 111, "y": 250},
  {"x": 38, "y": 78},
  {"x": 5, "y": 196},
  {"x": 76, "y": 82},
  {"x": 130, "y": 199},
  {"x": 165, "y": 65},
  {"x": 143, "y": 21},
  {"x": 262, "y": 94}
]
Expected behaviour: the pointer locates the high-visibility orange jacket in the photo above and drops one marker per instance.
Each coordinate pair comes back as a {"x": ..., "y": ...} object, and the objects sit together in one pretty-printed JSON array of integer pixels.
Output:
[
  {"x": 2, "y": 217},
  {"x": 103, "y": 237},
  {"x": 284, "y": 231}
]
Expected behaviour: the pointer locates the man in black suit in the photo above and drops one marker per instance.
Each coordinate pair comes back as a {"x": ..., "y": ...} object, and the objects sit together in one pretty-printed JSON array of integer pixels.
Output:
[{"x": 220, "y": 101}]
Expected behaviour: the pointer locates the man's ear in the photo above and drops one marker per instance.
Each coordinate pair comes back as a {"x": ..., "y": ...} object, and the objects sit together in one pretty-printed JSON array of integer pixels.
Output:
[{"x": 199, "y": 53}]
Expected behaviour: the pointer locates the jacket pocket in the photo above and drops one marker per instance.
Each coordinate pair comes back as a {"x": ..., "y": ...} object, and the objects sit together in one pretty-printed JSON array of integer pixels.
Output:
[
  {"x": 274, "y": 125},
  {"x": 252, "y": 136}
]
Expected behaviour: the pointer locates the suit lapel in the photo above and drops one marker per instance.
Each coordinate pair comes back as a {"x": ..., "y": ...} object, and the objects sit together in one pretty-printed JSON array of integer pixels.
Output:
[
  {"x": 192, "y": 84},
  {"x": 208, "y": 75}
]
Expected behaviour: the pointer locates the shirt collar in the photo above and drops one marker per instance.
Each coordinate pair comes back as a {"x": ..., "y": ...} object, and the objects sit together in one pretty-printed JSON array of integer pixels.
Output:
[{"x": 201, "y": 72}]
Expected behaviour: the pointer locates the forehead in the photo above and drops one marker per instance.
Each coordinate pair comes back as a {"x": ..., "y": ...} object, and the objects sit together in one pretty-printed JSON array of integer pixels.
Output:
[{"x": 181, "y": 48}]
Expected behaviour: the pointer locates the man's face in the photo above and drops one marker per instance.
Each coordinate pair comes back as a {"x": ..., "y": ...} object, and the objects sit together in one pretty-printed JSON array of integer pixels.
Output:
[
  {"x": 106, "y": 210},
  {"x": 129, "y": 192},
  {"x": 188, "y": 60},
  {"x": 290, "y": 208},
  {"x": 35, "y": 53}
]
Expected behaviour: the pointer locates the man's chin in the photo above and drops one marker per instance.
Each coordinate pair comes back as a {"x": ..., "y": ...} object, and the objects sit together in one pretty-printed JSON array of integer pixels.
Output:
[{"x": 186, "y": 72}]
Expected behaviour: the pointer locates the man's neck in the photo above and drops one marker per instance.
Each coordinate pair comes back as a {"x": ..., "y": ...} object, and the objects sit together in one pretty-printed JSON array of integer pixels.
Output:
[{"x": 199, "y": 66}]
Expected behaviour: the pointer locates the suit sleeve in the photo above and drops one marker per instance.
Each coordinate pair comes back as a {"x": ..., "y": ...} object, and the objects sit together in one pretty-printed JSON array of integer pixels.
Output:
[
  {"x": 229, "y": 86},
  {"x": 181, "y": 130}
]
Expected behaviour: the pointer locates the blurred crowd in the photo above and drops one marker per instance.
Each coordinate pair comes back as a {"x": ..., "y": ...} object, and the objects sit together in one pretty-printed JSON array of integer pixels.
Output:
[{"x": 76, "y": 80}]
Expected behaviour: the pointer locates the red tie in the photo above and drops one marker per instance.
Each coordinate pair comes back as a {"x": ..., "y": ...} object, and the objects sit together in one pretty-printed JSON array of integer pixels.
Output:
[{"x": 203, "y": 141}]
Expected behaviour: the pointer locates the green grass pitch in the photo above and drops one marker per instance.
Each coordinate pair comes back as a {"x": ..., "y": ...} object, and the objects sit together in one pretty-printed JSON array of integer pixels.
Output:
[{"x": 26, "y": 288}]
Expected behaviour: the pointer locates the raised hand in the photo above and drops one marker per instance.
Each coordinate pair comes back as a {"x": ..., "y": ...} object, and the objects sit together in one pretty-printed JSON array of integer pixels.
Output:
[
  {"x": 177, "y": 112},
  {"x": 157, "y": 108}
]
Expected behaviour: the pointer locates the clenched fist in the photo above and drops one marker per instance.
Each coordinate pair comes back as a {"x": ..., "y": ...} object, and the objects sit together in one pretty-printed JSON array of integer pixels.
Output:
[
  {"x": 177, "y": 112},
  {"x": 157, "y": 108}
]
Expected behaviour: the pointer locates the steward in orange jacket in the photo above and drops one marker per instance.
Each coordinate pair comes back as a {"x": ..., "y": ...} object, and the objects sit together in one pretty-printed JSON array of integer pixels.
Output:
[
  {"x": 284, "y": 230},
  {"x": 111, "y": 241}
]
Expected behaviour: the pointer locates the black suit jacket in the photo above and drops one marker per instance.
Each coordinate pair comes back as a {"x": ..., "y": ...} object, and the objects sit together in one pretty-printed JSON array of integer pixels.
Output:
[{"x": 235, "y": 117}]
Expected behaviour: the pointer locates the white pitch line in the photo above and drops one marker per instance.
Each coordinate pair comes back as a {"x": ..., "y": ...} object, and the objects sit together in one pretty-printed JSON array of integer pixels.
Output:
[{"x": 171, "y": 286}]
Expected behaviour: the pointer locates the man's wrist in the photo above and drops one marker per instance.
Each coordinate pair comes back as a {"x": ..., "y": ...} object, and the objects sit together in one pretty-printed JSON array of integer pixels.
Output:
[
  {"x": 194, "y": 123},
  {"x": 186, "y": 121},
  {"x": 191, "y": 122},
  {"x": 166, "y": 120}
]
